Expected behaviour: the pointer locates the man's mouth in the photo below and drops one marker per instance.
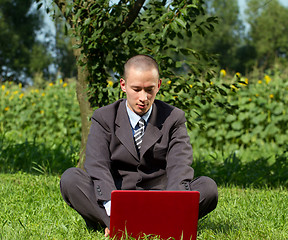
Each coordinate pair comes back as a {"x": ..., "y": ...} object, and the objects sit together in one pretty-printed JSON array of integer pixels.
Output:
[{"x": 141, "y": 106}]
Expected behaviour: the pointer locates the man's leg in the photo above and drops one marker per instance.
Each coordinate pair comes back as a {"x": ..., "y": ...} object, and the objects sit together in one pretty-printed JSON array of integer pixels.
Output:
[
  {"x": 208, "y": 194},
  {"x": 78, "y": 192}
]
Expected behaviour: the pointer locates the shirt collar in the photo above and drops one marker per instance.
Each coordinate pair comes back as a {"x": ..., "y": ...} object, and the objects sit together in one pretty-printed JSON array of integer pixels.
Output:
[{"x": 134, "y": 118}]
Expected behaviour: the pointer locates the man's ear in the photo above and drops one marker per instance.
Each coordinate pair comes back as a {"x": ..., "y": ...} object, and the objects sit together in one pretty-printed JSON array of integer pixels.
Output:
[
  {"x": 159, "y": 83},
  {"x": 122, "y": 84}
]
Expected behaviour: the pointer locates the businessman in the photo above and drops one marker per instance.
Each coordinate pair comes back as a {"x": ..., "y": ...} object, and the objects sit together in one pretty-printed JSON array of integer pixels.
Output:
[{"x": 137, "y": 143}]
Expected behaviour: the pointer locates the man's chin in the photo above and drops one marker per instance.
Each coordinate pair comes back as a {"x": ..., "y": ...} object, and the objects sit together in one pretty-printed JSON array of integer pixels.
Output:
[{"x": 140, "y": 111}]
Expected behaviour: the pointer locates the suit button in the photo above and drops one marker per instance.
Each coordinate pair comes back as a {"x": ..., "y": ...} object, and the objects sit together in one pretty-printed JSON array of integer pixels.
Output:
[{"x": 187, "y": 186}]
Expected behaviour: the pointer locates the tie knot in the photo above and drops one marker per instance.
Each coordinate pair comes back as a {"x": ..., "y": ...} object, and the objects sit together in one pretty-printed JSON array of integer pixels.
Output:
[{"x": 141, "y": 122}]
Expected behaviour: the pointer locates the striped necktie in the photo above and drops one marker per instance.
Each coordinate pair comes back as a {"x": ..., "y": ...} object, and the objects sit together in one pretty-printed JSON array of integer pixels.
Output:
[{"x": 138, "y": 134}]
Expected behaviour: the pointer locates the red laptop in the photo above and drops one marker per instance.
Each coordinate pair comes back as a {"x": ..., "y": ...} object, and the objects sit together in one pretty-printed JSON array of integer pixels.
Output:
[{"x": 166, "y": 214}]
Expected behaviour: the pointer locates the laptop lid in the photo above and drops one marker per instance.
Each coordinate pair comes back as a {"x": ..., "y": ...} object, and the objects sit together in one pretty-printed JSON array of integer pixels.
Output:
[{"x": 167, "y": 214}]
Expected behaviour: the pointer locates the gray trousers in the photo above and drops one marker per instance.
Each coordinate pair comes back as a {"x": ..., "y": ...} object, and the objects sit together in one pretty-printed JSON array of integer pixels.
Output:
[{"x": 78, "y": 192}]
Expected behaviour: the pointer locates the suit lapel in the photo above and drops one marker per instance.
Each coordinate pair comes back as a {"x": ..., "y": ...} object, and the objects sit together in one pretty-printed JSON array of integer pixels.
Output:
[
  {"x": 152, "y": 132},
  {"x": 123, "y": 130}
]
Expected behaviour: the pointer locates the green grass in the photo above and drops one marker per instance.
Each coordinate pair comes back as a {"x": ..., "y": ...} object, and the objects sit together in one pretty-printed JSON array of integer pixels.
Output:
[{"x": 32, "y": 208}]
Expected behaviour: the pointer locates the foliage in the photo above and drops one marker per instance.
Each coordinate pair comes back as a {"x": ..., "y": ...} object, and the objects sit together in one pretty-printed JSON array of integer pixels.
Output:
[
  {"x": 19, "y": 46},
  {"x": 47, "y": 123},
  {"x": 268, "y": 31},
  {"x": 261, "y": 117},
  {"x": 47, "y": 115},
  {"x": 109, "y": 33},
  {"x": 65, "y": 60},
  {"x": 39, "y": 128},
  {"x": 262, "y": 44},
  {"x": 259, "y": 122},
  {"x": 32, "y": 208},
  {"x": 228, "y": 35}
]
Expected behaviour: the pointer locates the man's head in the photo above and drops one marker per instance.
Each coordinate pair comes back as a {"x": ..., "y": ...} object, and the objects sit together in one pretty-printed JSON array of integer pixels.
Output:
[{"x": 141, "y": 83}]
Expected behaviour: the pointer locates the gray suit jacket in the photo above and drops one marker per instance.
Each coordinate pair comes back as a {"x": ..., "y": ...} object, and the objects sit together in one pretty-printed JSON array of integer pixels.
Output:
[{"x": 165, "y": 157}]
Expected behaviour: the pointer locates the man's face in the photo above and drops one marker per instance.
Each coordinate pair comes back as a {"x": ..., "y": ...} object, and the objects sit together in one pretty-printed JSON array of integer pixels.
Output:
[{"x": 141, "y": 88}]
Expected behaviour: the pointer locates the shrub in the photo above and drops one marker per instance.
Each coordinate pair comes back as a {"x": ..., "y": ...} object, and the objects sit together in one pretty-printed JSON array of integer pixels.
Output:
[
  {"x": 39, "y": 128},
  {"x": 49, "y": 115},
  {"x": 261, "y": 117}
]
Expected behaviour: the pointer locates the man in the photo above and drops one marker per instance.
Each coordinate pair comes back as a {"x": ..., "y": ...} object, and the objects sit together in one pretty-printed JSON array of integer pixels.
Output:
[{"x": 119, "y": 156}]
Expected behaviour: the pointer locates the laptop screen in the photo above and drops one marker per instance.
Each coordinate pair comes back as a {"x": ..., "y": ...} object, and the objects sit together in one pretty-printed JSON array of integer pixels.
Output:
[{"x": 167, "y": 214}]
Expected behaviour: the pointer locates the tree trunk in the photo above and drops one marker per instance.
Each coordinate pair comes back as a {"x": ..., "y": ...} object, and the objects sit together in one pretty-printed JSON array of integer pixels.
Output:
[
  {"x": 85, "y": 108},
  {"x": 81, "y": 87}
]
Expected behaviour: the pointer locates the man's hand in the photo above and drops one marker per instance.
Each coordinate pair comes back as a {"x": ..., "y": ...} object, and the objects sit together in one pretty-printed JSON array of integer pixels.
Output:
[{"x": 107, "y": 232}]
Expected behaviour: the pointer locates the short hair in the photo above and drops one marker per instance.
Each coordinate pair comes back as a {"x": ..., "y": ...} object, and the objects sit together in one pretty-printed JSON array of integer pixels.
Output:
[{"x": 141, "y": 62}]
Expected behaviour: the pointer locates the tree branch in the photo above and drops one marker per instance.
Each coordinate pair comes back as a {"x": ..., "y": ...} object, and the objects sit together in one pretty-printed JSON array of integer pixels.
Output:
[
  {"x": 132, "y": 15},
  {"x": 62, "y": 6}
]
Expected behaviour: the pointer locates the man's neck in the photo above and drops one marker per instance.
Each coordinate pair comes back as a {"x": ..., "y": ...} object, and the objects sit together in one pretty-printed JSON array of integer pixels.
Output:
[{"x": 134, "y": 118}]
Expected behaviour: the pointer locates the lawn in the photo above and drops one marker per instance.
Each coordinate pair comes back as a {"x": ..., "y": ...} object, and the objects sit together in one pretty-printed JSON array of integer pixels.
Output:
[{"x": 32, "y": 208}]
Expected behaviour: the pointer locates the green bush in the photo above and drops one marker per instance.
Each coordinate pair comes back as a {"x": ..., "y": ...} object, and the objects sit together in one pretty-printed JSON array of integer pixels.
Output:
[
  {"x": 49, "y": 115},
  {"x": 39, "y": 128},
  {"x": 261, "y": 117}
]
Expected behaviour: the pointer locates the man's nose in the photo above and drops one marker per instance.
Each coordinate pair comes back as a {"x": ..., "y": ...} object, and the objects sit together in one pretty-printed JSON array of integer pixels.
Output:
[{"x": 143, "y": 95}]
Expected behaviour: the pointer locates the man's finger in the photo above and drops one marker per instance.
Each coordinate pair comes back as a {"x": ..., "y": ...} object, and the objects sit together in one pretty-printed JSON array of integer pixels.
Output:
[{"x": 107, "y": 232}]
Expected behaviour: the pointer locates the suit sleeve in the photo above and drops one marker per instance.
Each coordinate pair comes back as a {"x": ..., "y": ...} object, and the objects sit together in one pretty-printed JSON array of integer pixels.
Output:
[
  {"x": 179, "y": 155},
  {"x": 97, "y": 163}
]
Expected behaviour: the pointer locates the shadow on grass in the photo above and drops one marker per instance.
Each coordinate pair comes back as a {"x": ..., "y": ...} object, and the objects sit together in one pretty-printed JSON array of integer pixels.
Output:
[
  {"x": 257, "y": 173},
  {"x": 216, "y": 227},
  {"x": 49, "y": 158},
  {"x": 34, "y": 157}
]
